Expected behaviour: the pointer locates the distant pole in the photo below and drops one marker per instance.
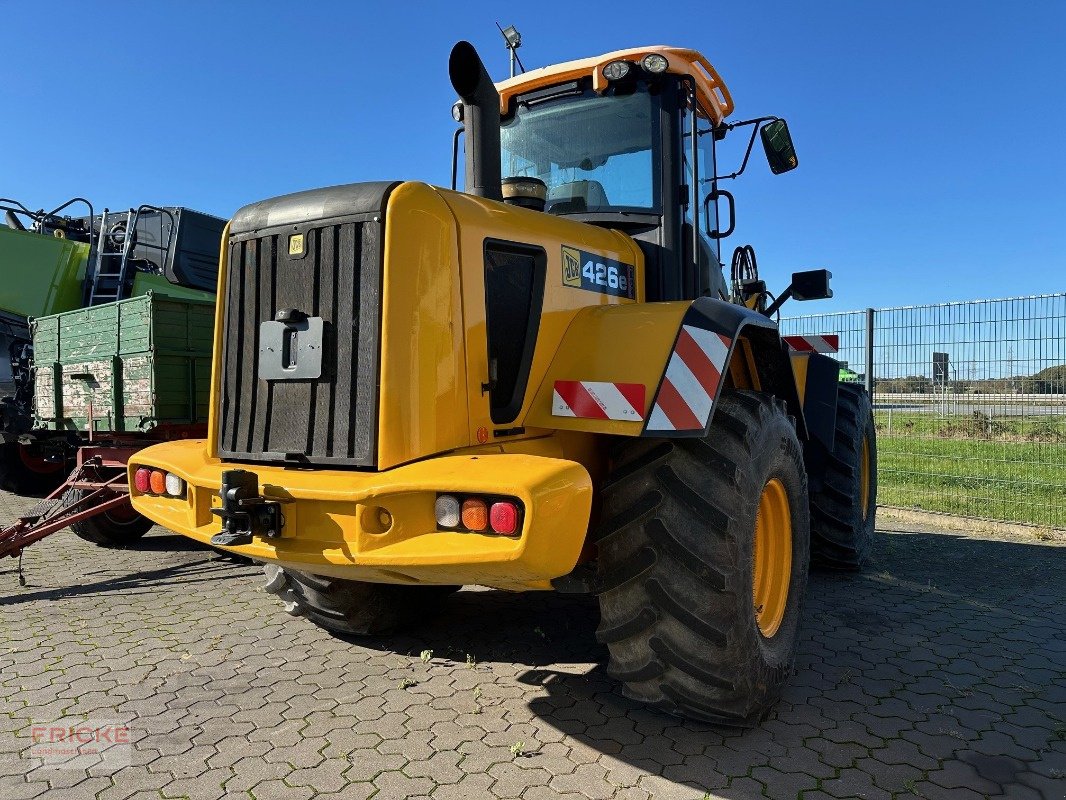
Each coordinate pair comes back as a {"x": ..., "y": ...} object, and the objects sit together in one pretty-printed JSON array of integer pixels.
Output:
[{"x": 870, "y": 352}]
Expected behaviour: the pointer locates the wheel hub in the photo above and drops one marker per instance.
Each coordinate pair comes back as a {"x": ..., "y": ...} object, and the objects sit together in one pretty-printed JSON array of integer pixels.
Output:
[{"x": 772, "y": 557}]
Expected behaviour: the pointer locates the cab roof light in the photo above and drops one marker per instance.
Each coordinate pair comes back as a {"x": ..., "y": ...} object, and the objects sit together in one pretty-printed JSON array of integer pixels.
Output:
[
  {"x": 616, "y": 70},
  {"x": 655, "y": 63}
]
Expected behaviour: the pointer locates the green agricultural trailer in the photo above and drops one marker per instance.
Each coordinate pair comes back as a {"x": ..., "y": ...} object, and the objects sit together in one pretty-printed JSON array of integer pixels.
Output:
[
  {"x": 136, "y": 366},
  {"x": 53, "y": 262},
  {"x": 119, "y": 377}
]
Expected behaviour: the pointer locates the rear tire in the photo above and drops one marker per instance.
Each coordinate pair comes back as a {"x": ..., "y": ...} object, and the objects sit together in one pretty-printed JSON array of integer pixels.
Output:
[
  {"x": 119, "y": 527},
  {"x": 678, "y": 562},
  {"x": 355, "y": 608},
  {"x": 844, "y": 500}
]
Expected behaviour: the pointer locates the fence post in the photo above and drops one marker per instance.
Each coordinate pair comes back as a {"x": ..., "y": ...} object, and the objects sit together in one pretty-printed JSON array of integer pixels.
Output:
[{"x": 870, "y": 352}]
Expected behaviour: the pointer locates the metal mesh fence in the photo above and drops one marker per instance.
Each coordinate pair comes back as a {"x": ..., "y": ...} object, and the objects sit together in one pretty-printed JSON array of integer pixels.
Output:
[{"x": 969, "y": 402}]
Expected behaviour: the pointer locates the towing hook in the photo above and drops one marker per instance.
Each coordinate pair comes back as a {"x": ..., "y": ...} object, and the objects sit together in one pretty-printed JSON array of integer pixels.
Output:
[{"x": 245, "y": 512}]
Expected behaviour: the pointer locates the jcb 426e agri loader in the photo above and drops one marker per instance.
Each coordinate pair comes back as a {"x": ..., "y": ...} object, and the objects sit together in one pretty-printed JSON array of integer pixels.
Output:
[{"x": 542, "y": 382}]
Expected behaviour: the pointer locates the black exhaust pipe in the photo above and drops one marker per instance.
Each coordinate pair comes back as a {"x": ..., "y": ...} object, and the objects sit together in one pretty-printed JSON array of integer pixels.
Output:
[{"x": 481, "y": 120}]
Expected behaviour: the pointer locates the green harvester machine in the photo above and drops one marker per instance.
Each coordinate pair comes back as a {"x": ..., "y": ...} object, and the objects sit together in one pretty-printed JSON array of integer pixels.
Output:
[{"x": 105, "y": 347}]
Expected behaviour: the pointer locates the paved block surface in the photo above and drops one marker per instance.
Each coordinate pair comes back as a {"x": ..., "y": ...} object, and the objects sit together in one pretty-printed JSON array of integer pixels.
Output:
[{"x": 938, "y": 673}]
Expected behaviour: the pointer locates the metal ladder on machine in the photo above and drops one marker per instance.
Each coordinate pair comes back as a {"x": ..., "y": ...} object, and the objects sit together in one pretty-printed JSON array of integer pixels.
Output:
[{"x": 112, "y": 265}]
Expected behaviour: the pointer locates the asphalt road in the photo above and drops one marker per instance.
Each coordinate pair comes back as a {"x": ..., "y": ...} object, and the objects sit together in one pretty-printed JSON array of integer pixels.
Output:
[
  {"x": 938, "y": 673},
  {"x": 995, "y": 410}
]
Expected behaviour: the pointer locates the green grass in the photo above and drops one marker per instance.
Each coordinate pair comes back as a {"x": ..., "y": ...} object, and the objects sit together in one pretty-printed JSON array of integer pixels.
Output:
[{"x": 1012, "y": 470}]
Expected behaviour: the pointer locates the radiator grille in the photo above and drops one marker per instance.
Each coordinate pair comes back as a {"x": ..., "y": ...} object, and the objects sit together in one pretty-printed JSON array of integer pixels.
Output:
[{"x": 328, "y": 420}]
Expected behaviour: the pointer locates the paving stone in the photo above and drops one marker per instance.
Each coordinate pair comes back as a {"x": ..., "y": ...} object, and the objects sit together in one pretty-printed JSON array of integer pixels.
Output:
[{"x": 913, "y": 680}]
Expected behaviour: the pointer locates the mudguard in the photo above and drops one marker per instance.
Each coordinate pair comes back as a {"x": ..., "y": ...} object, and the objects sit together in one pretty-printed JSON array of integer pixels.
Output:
[
  {"x": 657, "y": 369},
  {"x": 716, "y": 336}
]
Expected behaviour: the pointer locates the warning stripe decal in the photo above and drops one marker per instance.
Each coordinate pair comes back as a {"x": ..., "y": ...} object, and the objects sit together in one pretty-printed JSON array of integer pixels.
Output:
[
  {"x": 599, "y": 400},
  {"x": 826, "y": 343},
  {"x": 690, "y": 385}
]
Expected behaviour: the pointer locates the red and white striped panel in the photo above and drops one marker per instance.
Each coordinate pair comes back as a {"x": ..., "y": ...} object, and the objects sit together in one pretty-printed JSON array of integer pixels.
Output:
[
  {"x": 826, "y": 343},
  {"x": 691, "y": 382},
  {"x": 598, "y": 400}
]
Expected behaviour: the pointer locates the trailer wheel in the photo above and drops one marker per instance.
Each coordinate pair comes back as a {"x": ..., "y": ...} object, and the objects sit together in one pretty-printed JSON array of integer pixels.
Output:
[
  {"x": 355, "y": 608},
  {"x": 703, "y": 556},
  {"x": 844, "y": 495},
  {"x": 119, "y": 527}
]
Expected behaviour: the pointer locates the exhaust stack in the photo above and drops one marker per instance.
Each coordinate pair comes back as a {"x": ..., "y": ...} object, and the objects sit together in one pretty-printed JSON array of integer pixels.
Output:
[{"x": 481, "y": 120}]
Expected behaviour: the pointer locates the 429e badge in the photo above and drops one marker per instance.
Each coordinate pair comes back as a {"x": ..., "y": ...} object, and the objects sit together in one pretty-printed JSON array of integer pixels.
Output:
[{"x": 594, "y": 273}]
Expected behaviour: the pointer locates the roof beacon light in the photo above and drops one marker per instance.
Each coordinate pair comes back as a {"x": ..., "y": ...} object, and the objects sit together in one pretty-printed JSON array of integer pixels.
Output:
[
  {"x": 615, "y": 70},
  {"x": 655, "y": 63}
]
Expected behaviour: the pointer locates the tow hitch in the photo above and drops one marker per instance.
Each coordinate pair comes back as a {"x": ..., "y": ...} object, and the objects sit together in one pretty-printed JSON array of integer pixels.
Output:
[{"x": 245, "y": 513}]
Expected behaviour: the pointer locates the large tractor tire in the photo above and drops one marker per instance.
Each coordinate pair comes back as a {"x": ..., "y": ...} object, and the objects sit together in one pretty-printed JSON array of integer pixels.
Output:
[
  {"x": 119, "y": 527},
  {"x": 355, "y": 608},
  {"x": 844, "y": 485},
  {"x": 703, "y": 556}
]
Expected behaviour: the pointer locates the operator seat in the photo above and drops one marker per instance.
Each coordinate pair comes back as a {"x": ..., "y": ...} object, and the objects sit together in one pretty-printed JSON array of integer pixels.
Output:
[{"x": 575, "y": 197}]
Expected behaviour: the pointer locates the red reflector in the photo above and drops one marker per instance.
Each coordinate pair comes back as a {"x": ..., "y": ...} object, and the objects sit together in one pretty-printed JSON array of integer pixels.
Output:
[
  {"x": 504, "y": 517},
  {"x": 157, "y": 482},
  {"x": 142, "y": 479}
]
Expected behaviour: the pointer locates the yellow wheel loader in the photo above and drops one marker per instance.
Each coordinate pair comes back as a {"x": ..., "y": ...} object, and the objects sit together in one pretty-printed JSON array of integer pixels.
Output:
[{"x": 542, "y": 382}]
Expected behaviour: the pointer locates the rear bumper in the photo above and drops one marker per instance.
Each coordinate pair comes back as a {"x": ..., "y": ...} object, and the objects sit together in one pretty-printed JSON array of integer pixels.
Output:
[{"x": 331, "y": 516}]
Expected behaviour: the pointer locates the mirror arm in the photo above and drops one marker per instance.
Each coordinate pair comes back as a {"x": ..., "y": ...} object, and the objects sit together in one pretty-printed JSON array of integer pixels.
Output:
[
  {"x": 782, "y": 298},
  {"x": 751, "y": 143}
]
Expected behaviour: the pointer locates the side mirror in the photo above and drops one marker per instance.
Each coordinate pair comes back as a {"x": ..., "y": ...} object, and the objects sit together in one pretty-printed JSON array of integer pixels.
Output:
[
  {"x": 811, "y": 285},
  {"x": 777, "y": 143}
]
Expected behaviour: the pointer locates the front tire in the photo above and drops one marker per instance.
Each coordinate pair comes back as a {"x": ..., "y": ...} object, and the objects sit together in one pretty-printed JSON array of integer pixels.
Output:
[
  {"x": 703, "y": 557},
  {"x": 354, "y": 608}
]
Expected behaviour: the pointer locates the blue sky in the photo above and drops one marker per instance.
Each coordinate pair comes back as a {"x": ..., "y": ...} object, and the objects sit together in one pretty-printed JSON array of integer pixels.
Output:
[{"x": 929, "y": 134}]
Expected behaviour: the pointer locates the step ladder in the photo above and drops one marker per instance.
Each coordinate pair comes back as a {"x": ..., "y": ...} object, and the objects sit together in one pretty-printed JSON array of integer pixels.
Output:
[{"x": 115, "y": 242}]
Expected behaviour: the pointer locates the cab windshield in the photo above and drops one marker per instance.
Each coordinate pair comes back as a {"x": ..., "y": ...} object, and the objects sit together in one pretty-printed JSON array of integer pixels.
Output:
[{"x": 594, "y": 152}]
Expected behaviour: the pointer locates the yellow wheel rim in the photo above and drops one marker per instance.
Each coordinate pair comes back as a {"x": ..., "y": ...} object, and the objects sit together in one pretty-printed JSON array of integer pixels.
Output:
[
  {"x": 772, "y": 557},
  {"x": 864, "y": 478}
]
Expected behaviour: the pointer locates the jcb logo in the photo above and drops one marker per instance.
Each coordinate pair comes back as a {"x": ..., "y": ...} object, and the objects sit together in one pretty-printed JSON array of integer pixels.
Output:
[{"x": 571, "y": 267}]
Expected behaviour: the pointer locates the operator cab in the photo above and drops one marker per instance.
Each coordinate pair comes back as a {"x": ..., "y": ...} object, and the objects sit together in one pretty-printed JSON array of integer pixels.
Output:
[{"x": 627, "y": 141}]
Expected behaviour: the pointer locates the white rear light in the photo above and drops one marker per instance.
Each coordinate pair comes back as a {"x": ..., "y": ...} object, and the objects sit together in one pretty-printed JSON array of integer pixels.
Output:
[
  {"x": 447, "y": 511},
  {"x": 175, "y": 485}
]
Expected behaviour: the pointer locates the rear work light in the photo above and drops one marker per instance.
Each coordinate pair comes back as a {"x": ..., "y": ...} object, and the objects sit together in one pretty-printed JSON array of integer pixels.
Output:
[{"x": 501, "y": 516}]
